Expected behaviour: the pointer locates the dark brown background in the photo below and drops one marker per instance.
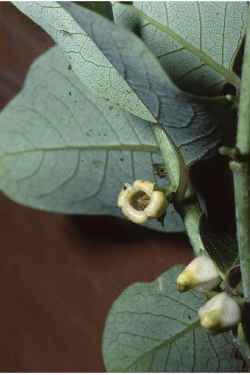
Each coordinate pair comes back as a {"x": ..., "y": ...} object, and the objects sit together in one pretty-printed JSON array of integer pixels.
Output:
[{"x": 58, "y": 274}]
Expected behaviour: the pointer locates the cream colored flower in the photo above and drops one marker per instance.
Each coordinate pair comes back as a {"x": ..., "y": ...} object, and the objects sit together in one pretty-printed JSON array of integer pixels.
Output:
[
  {"x": 220, "y": 312},
  {"x": 201, "y": 273},
  {"x": 140, "y": 201}
]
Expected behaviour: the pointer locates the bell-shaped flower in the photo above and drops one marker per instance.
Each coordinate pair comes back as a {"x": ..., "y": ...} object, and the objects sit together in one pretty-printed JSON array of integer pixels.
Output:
[{"x": 141, "y": 201}]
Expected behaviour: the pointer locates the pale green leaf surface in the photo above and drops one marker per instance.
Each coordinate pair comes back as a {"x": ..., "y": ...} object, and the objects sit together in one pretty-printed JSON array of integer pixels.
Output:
[
  {"x": 187, "y": 120},
  {"x": 63, "y": 150},
  {"x": 102, "y": 7},
  {"x": 215, "y": 29},
  {"x": 88, "y": 62},
  {"x": 154, "y": 328}
]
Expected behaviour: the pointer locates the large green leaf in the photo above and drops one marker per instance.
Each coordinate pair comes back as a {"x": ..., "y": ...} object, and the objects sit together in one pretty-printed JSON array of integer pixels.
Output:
[
  {"x": 63, "y": 150},
  {"x": 86, "y": 59},
  {"x": 153, "y": 328},
  {"x": 196, "y": 42},
  {"x": 188, "y": 121}
]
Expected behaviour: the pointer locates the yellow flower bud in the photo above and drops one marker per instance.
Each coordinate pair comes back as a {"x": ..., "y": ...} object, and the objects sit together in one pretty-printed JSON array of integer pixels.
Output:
[
  {"x": 201, "y": 273},
  {"x": 220, "y": 312},
  {"x": 140, "y": 201}
]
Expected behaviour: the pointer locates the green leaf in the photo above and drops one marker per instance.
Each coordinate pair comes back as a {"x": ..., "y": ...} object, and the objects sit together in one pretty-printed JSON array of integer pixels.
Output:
[
  {"x": 188, "y": 121},
  {"x": 63, "y": 150},
  {"x": 102, "y": 7},
  {"x": 86, "y": 59},
  {"x": 153, "y": 328},
  {"x": 196, "y": 42}
]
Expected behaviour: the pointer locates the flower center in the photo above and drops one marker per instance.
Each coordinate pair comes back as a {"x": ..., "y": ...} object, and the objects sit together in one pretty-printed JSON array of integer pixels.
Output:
[{"x": 140, "y": 200}]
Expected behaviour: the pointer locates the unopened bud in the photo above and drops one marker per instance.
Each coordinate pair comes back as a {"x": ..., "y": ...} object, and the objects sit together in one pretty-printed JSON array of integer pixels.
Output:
[
  {"x": 220, "y": 312},
  {"x": 201, "y": 273}
]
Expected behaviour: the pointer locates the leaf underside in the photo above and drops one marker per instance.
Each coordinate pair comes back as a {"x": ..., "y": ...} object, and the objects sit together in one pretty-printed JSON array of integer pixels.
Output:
[
  {"x": 188, "y": 121},
  {"x": 102, "y": 7},
  {"x": 63, "y": 150},
  {"x": 153, "y": 328},
  {"x": 196, "y": 42}
]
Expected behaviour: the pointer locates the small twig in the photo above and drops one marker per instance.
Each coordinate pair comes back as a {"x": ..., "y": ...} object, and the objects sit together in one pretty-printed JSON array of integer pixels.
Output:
[
  {"x": 174, "y": 164},
  {"x": 192, "y": 215},
  {"x": 186, "y": 201}
]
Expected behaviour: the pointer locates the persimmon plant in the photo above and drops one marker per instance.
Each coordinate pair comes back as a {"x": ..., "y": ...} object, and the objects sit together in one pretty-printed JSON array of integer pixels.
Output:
[{"x": 110, "y": 121}]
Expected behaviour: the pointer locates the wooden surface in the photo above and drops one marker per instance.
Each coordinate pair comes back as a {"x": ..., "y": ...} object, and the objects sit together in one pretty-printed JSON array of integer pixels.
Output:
[{"x": 59, "y": 274}]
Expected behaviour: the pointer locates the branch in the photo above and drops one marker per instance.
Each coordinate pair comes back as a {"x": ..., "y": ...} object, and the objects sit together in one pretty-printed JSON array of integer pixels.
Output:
[{"x": 241, "y": 171}]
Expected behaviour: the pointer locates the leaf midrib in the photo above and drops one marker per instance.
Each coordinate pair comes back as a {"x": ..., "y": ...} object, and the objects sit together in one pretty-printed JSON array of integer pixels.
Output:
[
  {"x": 229, "y": 75},
  {"x": 138, "y": 148},
  {"x": 169, "y": 341}
]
